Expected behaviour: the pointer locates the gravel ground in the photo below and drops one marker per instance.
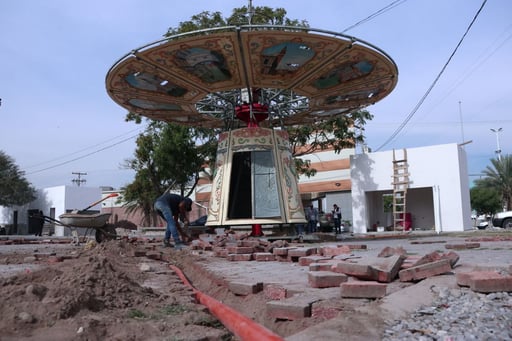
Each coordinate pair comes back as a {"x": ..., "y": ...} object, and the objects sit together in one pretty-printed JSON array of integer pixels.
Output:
[{"x": 458, "y": 314}]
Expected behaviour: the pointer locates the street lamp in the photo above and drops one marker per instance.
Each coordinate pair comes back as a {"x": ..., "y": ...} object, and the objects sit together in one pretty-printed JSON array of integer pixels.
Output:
[{"x": 498, "y": 150}]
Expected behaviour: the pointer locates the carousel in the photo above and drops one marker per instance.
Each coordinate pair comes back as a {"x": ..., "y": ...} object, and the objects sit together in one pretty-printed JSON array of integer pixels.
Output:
[{"x": 252, "y": 82}]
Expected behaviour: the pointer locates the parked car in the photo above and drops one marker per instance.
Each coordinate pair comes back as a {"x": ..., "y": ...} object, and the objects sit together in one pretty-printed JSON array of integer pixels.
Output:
[
  {"x": 482, "y": 222},
  {"x": 503, "y": 220}
]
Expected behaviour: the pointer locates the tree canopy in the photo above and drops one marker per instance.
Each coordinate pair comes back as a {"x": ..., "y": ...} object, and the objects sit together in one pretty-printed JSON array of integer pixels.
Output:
[
  {"x": 240, "y": 16},
  {"x": 14, "y": 187},
  {"x": 167, "y": 157},
  {"x": 498, "y": 177},
  {"x": 485, "y": 200}
]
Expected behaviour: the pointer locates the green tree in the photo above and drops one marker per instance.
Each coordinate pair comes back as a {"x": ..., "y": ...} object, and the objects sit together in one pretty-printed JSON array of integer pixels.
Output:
[
  {"x": 485, "y": 200},
  {"x": 167, "y": 157},
  {"x": 335, "y": 133},
  {"x": 14, "y": 187},
  {"x": 240, "y": 16},
  {"x": 498, "y": 176}
]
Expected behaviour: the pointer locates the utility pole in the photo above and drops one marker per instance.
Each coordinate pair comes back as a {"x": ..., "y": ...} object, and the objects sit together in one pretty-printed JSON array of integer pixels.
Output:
[
  {"x": 78, "y": 181},
  {"x": 461, "y": 122},
  {"x": 498, "y": 149}
]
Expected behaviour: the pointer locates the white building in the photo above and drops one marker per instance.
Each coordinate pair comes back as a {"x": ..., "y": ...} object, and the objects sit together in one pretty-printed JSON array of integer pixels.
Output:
[
  {"x": 52, "y": 201},
  {"x": 438, "y": 194}
]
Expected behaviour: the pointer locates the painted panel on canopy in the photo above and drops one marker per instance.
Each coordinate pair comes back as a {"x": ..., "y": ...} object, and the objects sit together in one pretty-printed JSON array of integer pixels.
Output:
[
  {"x": 135, "y": 76},
  {"x": 352, "y": 69},
  {"x": 362, "y": 95},
  {"x": 279, "y": 59},
  {"x": 165, "y": 111},
  {"x": 209, "y": 61}
]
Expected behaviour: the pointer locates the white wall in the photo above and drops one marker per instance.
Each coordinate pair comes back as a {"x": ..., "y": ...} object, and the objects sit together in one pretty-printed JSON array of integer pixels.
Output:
[
  {"x": 66, "y": 198},
  {"x": 441, "y": 167},
  {"x": 61, "y": 198}
]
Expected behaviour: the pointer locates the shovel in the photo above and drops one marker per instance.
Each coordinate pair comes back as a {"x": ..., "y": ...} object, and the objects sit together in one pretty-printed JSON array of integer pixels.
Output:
[{"x": 112, "y": 195}]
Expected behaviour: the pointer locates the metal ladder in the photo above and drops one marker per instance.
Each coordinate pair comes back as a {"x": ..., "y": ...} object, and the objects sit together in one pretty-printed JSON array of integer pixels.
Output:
[{"x": 400, "y": 185}]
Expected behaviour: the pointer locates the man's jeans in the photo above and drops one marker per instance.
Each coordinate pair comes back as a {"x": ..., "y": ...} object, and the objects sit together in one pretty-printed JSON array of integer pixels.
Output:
[{"x": 171, "y": 225}]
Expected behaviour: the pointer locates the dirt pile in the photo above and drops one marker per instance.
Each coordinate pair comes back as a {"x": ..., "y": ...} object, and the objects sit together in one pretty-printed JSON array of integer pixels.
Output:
[{"x": 103, "y": 292}]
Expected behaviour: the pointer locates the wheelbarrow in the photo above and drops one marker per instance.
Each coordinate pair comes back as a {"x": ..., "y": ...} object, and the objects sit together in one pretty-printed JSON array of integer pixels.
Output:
[{"x": 86, "y": 219}]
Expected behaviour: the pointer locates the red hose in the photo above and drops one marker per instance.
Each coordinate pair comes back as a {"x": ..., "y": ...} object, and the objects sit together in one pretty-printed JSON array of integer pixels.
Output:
[{"x": 238, "y": 324}]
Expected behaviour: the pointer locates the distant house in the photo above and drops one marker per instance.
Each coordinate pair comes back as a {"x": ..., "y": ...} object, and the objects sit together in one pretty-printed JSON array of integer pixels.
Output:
[
  {"x": 437, "y": 195},
  {"x": 52, "y": 201}
]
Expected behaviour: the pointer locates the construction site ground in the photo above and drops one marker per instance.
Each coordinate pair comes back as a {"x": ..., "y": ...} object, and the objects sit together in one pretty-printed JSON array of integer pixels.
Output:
[{"x": 127, "y": 289}]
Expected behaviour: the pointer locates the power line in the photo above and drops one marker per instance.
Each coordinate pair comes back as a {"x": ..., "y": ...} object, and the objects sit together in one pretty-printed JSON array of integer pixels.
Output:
[
  {"x": 376, "y": 14},
  {"x": 83, "y": 156},
  {"x": 82, "y": 150},
  {"x": 490, "y": 51},
  {"x": 411, "y": 114}
]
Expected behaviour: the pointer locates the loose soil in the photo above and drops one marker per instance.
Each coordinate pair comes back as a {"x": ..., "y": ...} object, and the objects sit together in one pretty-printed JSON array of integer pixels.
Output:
[
  {"x": 104, "y": 292},
  {"x": 101, "y": 292}
]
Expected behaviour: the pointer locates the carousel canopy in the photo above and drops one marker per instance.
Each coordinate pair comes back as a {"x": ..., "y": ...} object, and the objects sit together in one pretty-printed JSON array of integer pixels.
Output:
[{"x": 299, "y": 75}]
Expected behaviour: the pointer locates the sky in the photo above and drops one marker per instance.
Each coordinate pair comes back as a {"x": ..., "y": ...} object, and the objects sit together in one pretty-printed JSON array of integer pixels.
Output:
[{"x": 56, "y": 118}]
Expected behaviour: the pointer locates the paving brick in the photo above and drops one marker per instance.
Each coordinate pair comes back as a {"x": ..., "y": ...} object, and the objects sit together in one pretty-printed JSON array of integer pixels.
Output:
[
  {"x": 363, "y": 289},
  {"x": 239, "y": 257},
  {"x": 306, "y": 261},
  {"x": 301, "y": 252},
  {"x": 464, "y": 278},
  {"x": 487, "y": 285},
  {"x": 463, "y": 246},
  {"x": 485, "y": 281},
  {"x": 240, "y": 249},
  {"x": 280, "y": 251},
  {"x": 390, "y": 251},
  {"x": 263, "y": 256},
  {"x": 345, "y": 257},
  {"x": 293, "y": 308},
  {"x": 244, "y": 288},
  {"x": 325, "y": 279},
  {"x": 220, "y": 252},
  {"x": 428, "y": 241},
  {"x": 416, "y": 273},
  {"x": 382, "y": 269},
  {"x": 329, "y": 251},
  {"x": 249, "y": 243},
  {"x": 325, "y": 310},
  {"x": 282, "y": 258},
  {"x": 387, "y": 268},
  {"x": 409, "y": 261},
  {"x": 274, "y": 292},
  {"x": 362, "y": 271},
  {"x": 452, "y": 256},
  {"x": 428, "y": 258},
  {"x": 328, "y": 266},
  {"x": 357, "y": 246}
]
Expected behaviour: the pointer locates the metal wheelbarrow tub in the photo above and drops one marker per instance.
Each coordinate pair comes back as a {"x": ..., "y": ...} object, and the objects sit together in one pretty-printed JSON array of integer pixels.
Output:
[{"x": 85, "y": 219}]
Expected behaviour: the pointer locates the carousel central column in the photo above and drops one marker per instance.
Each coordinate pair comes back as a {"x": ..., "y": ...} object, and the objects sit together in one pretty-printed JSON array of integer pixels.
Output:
[{"x": 255, "y": 182}]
